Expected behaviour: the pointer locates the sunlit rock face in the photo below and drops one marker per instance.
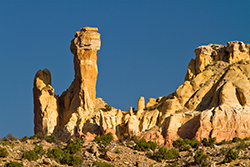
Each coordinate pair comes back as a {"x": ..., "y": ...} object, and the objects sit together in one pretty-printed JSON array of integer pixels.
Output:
[
  {"x": 67, "y": 113},
  {"x": 213, "y": 101},
  {"x": 45, "y": 103}
]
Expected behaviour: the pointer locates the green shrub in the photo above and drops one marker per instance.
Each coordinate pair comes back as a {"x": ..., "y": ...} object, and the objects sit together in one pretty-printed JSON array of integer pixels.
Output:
[
  {"x": 224, "y": 142},
  {"x": 10, "y": 137},
  {"x": 102, "y": 164},
  {"x": 194, "y": 143},
  {"x": 180, "y": 142},
  {"x": 126, "y": 135},
  {"x": 200, "y": 158},
  {"x": 186, "y": 147},
  {"x": 30, "y": 155},
  {"x": 246, "y": 138},
  {"x": 108, "y": 107},
  {"x": 39, "y": 135},
  {"x": 39, "y": 150},
  {"x": 25, "y": 138},
  {"x": 134, "y": 138},
  {"x": 236, "y": 139},
  {"x": 104, "y": 139},
  {"x": 64, "y": 157},
  {"x": 72, "y": 147},
  {"x": 164, "y": 153},
  {"x": 56, "y": 153},
  {"x": 3, "y": 152},
  {"x": 151, "y": 107},
  {"x": 242, "y": 145},
  {"x": 209, "y": 142},
  {"x": 230, "y": 156},
  {"x": 148, "y": 154},
  {"x": 5, "y": 143},
  {"x": 143, "y": 145},
  {"x": 13, "y": 164},
  {"x": 71, "y": 159},
  {"x": 120, "y": 137},
  {"x": 174, "y": 164},
  {"x": 51, "y": 139}
]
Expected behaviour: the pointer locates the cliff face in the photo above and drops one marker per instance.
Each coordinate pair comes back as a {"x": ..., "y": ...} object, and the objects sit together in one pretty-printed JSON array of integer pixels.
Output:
[{"x": 212, "y": 102}]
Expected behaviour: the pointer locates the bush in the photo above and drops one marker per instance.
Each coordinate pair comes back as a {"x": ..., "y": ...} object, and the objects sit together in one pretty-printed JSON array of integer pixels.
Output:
[
  {"x": 104, "y": 139},
  {"x": 102, "y": 164},
  {"x": 224, "y": 142},
  {"x": 236, "y": 139},
  {"x": 10, "y": 137},
  {"x": 108, "y": 107},
  {"x": 246, "y": 138},
  {"x": 72, "y": 147},
  {"x": 66, "y": 156},
  {"x": 51, "y": 139},
  {"x": 71, "y": 159},
  {"x": 200, "y": 158},
  {"x": 13, "y": 164},
  {"x": 174, "y": 164},
  {"x": 25, "y": 138},
  {"x": 30, "y": 155},
  {"x": 3, "y": 152},
  {"x": 126, "y": 135},
  {"x": 209, "y": 142},
  {"x": 164, "y": 153},
  {"x": 5, "y": 143},
  {"x": 39, "y": 150},
  {"x": 186, "y": 147},
  {"x": 56, "y": 153},
  {"x": 143, "y": 145},
  {"x": 242, "y": 145},
  {"x": 230, "y": 156},
  {"x": 194, "y": 143},
  {"x": 180, "y": 142},
  {"x": 148, "y": 154}
]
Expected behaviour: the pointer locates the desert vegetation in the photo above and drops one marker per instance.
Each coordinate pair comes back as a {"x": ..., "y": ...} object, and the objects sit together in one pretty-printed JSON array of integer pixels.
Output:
[{"x": 104, "y": 152}]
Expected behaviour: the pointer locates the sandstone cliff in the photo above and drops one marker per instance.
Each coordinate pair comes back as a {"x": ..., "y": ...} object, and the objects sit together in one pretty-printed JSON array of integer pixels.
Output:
[{"x": 212, "y": 102}]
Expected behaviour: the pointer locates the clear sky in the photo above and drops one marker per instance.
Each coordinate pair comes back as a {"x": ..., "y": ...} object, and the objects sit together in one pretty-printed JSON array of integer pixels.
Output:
[{"x": 145, "y": 51}]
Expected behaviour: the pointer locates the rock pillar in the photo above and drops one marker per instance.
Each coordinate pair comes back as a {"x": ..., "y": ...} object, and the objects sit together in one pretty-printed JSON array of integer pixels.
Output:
[
  {"x": 84, "y": 47},
  {"x": 45, "y": 103}
]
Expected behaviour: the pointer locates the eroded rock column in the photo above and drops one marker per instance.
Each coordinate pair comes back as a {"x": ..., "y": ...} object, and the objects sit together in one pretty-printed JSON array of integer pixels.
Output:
[
  {"x": 45, "y": 103},
  {"x": 84, "y": 47}
]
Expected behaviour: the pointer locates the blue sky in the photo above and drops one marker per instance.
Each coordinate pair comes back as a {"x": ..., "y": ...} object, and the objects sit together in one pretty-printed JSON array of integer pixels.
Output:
[{"x": 146, "y": 47}]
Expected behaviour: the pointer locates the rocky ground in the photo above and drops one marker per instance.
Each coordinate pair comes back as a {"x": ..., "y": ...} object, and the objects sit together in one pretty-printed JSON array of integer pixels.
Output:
[{"x": 123, "y": 154}]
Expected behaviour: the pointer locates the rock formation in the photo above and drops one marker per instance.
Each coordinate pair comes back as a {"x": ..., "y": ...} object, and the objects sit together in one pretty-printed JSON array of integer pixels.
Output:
[
  {"x": 214, "y": 100},
  {"x": 68, "y": 112}
]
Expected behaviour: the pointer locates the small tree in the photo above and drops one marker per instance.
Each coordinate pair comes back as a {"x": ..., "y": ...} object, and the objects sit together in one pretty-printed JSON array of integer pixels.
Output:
[
  {"x": 3, "y": 152},
  {"x": 200, "y": 158},
  {"x": 104, "y": 139},
  {"x": 108, "y": 107},
  {"x": 231, "y": 155}
]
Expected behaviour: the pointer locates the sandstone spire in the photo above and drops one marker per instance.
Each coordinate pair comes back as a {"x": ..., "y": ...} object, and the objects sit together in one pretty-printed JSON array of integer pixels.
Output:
[
  {"x": 78, "y": 100},
  {"x": 84, "y": 47},
  {"x": 45, "y": 103}
]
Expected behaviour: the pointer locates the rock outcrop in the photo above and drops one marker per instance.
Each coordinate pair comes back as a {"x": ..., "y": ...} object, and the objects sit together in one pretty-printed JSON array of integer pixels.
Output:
[
  {"x": 68, "y": 112},
  {"x": 214, "y": 100},
  {"x": 45, "y": 103}
]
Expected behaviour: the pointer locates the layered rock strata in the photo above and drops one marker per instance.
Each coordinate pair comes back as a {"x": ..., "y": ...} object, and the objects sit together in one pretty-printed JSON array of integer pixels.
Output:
[{"x": 214, "y": 100}]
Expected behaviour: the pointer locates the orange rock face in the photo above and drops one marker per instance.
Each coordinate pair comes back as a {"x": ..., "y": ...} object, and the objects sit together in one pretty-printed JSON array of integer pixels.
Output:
[
  {"x": 79, "y": 99},
  {"x": 45, "y": 103}
]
